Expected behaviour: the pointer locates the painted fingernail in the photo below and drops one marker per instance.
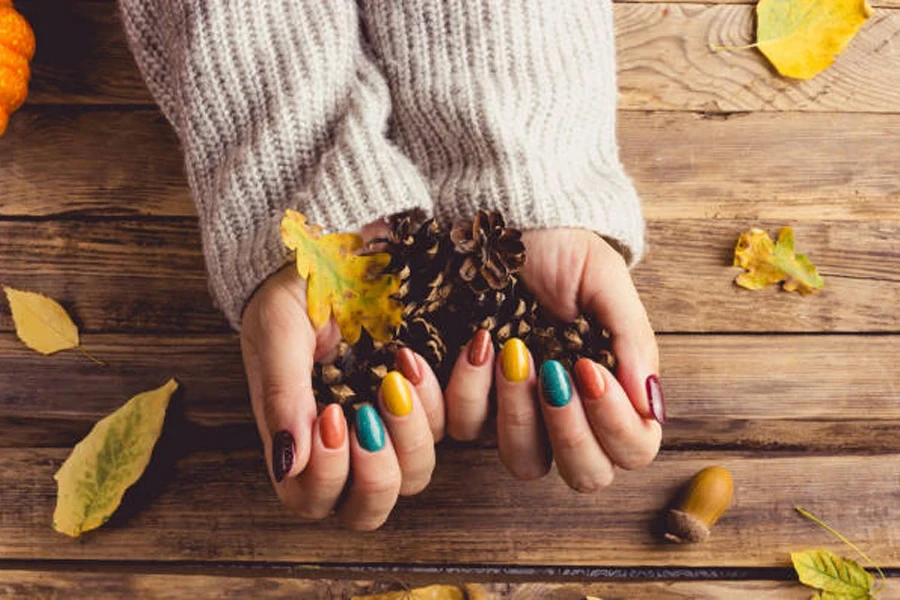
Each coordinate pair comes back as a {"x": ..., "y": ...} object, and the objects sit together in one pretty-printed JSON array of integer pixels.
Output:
[
  {"x": 395, "y": 391},
  {"x": 409, "y": 366},
  {"x": 590, "y": 380},
  {"x": 333, "y": 427},
  {"x": 369, "y": 430},
  {"x": 514, "y": 360},
  {"x": 555, "y": 384},
  {"x": 479, "y": 348},
  {"x": 282, "y": 454},
  {"x": 657, "y": 400}
]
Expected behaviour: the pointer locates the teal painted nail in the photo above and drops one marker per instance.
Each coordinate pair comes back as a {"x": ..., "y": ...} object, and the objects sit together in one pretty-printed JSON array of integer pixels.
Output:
[
  {"x": 369, "y": 430},
  {"x": 555, "y": 384}
]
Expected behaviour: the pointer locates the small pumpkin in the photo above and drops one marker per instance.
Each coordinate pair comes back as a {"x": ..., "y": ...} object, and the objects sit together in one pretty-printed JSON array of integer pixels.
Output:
[{"x": 16, "y": 51}]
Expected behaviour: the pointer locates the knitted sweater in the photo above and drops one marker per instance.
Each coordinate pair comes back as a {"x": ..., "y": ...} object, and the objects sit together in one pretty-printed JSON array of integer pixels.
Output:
[{"x": 349, "y": 110}]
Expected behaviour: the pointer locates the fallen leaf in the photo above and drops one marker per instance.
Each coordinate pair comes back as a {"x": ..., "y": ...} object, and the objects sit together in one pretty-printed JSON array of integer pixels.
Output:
[
  {"x": 838, "y": 577},
  {"x": 803, "y": 37},
  {"x": 432, "y": 592},
  {"x": 767, "y": 263},
  {"x": 342, "y": 282},
  {"x": 42, "y": 324},
  {"x": 108, "y": 461}
]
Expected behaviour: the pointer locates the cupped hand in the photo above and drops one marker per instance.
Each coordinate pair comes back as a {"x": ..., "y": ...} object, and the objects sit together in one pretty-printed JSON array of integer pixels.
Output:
[{"x": 591, "y": 421}]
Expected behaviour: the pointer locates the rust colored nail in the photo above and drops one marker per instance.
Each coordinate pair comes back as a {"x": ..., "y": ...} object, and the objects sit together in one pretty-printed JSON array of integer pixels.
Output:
[
  {"x": 333, "y": 427},
  {"x": 282, "y": 454},
  {"x": 590, "y": 380},
  {"x": 657, "y": 400},
  {"x": 479, "y": 348},
  {"x": 409, "y": 366}
]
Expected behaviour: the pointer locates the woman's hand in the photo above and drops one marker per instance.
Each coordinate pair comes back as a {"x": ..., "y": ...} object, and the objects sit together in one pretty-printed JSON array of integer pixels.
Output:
[{"x": 599, "y": 422}]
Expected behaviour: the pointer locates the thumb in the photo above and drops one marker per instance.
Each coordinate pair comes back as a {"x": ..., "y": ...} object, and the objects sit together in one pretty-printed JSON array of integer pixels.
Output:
[{"x": 278, "y": 344}]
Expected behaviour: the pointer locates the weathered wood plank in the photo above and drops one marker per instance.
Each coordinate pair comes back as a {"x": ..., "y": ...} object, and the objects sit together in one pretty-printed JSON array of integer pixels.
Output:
[
  {"x": 822, "y": 394},
  {"x": 114, "y": 586},
  {"x": 686, "y": 166},
  {"x": 664, "y": 60},
  {"x": 136, "y": 276},
  {"x": 215, "y": 506}
]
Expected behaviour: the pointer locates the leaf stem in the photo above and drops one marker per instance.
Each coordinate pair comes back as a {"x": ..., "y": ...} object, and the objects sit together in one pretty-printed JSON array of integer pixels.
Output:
[
  {"x": 838, "y": 535},
  {"x": 90, "y": 356}
]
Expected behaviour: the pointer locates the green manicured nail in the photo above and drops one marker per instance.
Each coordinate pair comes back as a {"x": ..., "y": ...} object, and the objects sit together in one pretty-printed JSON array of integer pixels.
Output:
[
  {"x": 369, "y": 430},
  {"x": 555, "y": 384}
]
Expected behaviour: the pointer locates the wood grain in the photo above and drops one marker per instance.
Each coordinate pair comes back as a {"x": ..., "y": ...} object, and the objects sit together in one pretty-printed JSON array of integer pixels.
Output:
[
  {"x": 114, "y": 586},
  {"x": 139, "y": 276},
  {"x": 788, "y": 167},
  {"x": 214, "y": 506},
  {"x": 664, "y": 61}
]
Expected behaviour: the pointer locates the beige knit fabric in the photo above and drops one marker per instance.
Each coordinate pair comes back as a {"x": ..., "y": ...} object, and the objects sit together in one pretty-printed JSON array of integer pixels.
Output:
[{"x": 350, "y": 112}]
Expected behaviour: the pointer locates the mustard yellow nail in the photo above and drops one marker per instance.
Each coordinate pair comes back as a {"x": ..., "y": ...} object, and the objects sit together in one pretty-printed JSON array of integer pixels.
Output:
[
  {"x": 397, "y": 398},
  {"x": 514, "y": 360}
]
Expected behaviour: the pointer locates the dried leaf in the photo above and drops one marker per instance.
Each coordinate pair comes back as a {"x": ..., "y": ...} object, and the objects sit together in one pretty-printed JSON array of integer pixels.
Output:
[
  {"x": 342, "y": 282},
  {"x": 41, "y": 322},
  {"x": 432, "y": 592},
  {"x": 767, "y": 263},
  {"x": 836, "y": 577},
  {"x": 803, "y": 37},
  {"x": 108, "y": 461}
]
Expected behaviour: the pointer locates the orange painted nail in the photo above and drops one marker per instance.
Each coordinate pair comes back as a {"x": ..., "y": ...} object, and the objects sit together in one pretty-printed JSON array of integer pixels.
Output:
[
  {"x": 409, "y": 366},
  {"x": 333, "y": 427},
  {"x": 590, "y": 380},
  {"x": 479, "y": 348}
]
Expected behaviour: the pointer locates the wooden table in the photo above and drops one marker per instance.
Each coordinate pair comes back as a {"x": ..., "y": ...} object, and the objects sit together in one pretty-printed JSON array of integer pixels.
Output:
[{"x": 798, "y": 397}]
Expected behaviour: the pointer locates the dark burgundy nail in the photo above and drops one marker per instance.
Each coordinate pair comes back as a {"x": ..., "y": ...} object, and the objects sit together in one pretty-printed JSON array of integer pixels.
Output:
[
  {"x": 282, "y": 454},
  {"x": 657, "y": 400}
]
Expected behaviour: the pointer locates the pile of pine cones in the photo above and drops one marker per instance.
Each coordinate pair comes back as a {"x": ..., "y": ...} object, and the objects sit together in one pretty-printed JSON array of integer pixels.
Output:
[{"x": 454, "y": 283}]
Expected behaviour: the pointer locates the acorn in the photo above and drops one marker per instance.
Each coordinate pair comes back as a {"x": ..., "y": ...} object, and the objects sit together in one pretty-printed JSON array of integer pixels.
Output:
[{"x": 706, "y": 499}]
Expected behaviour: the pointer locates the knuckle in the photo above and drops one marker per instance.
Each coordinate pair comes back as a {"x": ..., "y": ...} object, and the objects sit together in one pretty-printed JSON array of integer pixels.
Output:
[
  {"x": 386, "y": 485},
  {"x": 567, "y": 441},
  {"x": 638, "y": 459},
  {"x": 520, "y": 419},
  {"x": 591, "y": 483},
  {"x": 310, "y": 513},
  {"x": 366, "y": 523},
  {"x": 525, "y": 470},
  {"x": 415, "y": 484},
  {"x": 617, "y": 428}
]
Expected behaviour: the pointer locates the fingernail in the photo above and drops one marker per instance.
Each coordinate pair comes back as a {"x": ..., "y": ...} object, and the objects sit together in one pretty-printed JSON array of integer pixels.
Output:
[
  {"x": 590, "y": 380},
  {"x": 409, "y": 366},
  {"x": 332, "y": 427},
  {"x": 479, "y": 348},
  {"x": 657, "y": 401},
  {"x": 282, "y": 454},
  {"x": 514, "y": 360},
  {"x": 555, "y": 384},
  {"x": 369, "y": 430},
  {"x": 395, "y": 391}
]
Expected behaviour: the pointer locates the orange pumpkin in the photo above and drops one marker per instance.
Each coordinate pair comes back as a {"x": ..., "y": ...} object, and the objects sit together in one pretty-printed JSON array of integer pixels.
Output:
[{"x": 16, "y": 51}]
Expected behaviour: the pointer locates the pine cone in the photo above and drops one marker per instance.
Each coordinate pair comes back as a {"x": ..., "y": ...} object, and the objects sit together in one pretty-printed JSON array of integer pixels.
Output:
[{"x": 490, "y": 252}]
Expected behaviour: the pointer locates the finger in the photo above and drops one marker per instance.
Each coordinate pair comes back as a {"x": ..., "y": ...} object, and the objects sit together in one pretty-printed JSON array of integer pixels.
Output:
[
  {"x": 608, "y": 292},
  {"x": 408, "y": 427},
  {"x": 579, "y": 458},
  {"x": 420, "y": 375},
  {"x": 278, "y": 343},
  {"x": 375, "y": 473},
  {"x": 469, "y": 388},
  {"x": 630, "y": 441},
  {"x": 314, "y": 493},
  {"x": 521, "y": 437}
]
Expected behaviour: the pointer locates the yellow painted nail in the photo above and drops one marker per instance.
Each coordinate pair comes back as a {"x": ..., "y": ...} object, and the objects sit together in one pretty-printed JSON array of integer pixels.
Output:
[
  {"x": 397, "y": 397},
  {"x": 514, "y": 360}
]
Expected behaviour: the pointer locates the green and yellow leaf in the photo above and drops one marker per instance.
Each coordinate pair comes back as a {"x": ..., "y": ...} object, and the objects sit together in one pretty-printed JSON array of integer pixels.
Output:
[
  {"x": 432, "y": 592},
  {"x": 767, "y": 262},
  {"x": 801, "y": 38},
  {"x": 836, "y": 577},
  {"x": 102, "y": 466},
  {"x": 341, "y": 282}
]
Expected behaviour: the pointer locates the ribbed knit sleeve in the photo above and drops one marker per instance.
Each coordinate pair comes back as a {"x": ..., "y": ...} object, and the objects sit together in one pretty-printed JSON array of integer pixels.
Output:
[
  {"x": 276, "y": 105},
  {"x": 510, "y": 105}
]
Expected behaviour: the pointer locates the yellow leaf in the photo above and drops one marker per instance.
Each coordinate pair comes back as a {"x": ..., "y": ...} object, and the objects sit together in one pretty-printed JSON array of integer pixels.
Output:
[
  {"x": 41, "y": 322},
  {"x": 767, "y": 263},
  {"x": 836, "y": 577},
  {"x": 432, "y": 592},
  {"x": 343, "y": 283},
  {"x": 803, "y": 37},
  {"x": 108, "y": 461}
]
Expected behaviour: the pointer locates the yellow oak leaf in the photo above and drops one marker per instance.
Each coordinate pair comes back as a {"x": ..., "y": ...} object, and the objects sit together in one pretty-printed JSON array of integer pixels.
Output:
[
  {"x": 836, "y": 577},
  {"x": 342, "y": 282},
  {"x": 767, "y": 262},
  {"x": 432, "y": 592},
  {"x": 109, "y": 460},
  {"x": 803, "y": 37}
]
